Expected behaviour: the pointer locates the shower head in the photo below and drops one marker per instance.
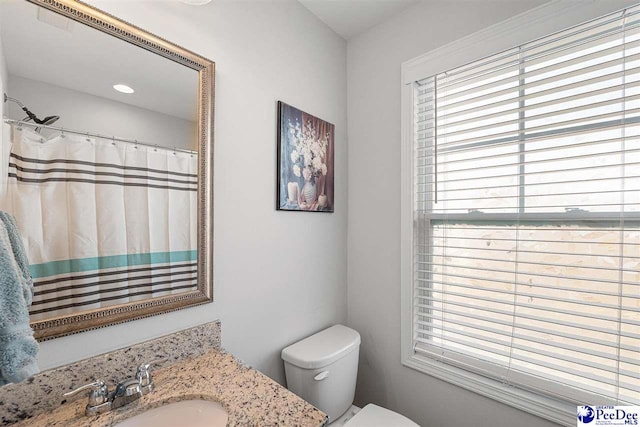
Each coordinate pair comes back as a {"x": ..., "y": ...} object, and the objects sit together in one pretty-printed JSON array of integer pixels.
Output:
[
  {"x": 46, "y": 121},
  {"x": 49, "y": 120}
]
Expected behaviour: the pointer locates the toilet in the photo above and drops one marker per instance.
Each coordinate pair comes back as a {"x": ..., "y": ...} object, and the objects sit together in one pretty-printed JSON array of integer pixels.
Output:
[{"x": 322, "y": 369}]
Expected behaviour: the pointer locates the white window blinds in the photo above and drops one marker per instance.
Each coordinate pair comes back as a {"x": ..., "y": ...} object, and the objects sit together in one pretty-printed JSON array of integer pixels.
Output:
[{"x": 527, "y": 214}]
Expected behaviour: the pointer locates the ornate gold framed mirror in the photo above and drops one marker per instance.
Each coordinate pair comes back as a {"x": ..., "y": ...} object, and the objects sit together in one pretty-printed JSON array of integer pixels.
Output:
[{"x": 108, "y": 286}]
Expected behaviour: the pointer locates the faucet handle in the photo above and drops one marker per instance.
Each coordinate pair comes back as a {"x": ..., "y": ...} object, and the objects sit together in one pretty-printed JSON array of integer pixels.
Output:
[
  {"x": 98, "y": 393},
  {"x": 143, "y": 375}
]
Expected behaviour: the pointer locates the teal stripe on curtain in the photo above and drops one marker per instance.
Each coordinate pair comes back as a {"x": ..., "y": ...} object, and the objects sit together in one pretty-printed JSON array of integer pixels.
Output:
[{"x": 54, "y": 268}]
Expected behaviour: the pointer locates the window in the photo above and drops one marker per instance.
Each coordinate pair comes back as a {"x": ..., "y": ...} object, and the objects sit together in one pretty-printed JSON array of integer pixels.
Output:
[{"x": 525, "y": 235}]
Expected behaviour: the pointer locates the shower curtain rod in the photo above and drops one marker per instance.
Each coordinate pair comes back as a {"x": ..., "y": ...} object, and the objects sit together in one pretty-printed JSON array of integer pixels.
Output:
[{"x": 95, "y": 135}]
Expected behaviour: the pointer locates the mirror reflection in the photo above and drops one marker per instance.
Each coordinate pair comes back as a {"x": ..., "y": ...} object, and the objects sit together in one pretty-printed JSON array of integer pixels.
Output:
[
  {"x": 99, "y": 164},
  {"x": 58, "y": 67}
]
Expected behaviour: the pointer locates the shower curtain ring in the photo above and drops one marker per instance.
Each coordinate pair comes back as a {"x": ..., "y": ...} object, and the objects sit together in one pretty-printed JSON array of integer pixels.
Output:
[
  {"x": 174, "y": 151},
  {"x": 113, "y": 141},
  {"x": 62, "y": 133},
  {"x": 88, "y": 138},
  {"x": 156, "y": 148},
  {"x": 136, "y": 146}
]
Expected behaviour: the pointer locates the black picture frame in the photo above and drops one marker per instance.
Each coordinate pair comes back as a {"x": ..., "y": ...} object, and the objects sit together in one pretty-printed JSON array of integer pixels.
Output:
[{"x": 305, "y": 161}]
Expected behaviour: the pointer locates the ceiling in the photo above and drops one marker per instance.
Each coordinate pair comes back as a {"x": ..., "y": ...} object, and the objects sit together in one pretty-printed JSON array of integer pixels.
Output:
[
  {"x": 349, "y": 18},
  {"x": 83, "y": 59}
]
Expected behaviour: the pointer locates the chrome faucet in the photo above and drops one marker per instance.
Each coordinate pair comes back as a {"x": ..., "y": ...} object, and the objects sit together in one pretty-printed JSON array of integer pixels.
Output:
[
  {"x": 143, "y": 376},
  {"x": 98, "y": 397},
  {"x": 125, "y": 392},
  {"x": 101, "y": 400}
]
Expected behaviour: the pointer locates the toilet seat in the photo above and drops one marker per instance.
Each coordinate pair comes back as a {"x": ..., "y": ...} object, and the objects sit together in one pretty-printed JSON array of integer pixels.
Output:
[{"x": 375, "y": 416}]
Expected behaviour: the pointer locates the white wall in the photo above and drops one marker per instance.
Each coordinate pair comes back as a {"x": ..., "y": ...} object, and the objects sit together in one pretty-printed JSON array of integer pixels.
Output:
[
  {"x": 5, "y": 130},
  {"x": 4, "y": 77},
  {"x": 84, "y": 112},
  {"x": 373, "y": 62},
  {"x": 279, "y": 276}
]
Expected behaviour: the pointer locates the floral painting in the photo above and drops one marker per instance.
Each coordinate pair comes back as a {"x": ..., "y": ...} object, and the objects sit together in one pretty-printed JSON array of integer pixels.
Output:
[{"x": 305, "y": 161}]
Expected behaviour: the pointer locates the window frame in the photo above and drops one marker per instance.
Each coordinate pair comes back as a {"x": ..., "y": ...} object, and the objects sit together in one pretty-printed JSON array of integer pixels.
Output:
[{"x": 539, "y": 22}]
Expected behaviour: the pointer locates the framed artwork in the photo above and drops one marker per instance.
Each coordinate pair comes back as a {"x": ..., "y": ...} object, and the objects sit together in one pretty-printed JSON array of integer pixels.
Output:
[{"x": 305, "y": 161}]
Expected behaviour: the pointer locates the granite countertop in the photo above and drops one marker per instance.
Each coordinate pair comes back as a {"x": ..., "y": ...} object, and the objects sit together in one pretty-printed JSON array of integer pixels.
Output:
[{"x": 249, "y": 397}]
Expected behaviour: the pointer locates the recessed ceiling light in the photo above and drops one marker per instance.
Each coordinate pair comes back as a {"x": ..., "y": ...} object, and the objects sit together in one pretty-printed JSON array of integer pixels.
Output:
[
  {"x": 195, "y": 2},
  {"x": 123, "y": 88}
]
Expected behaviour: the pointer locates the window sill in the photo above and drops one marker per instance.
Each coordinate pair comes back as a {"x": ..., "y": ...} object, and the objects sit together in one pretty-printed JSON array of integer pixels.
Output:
[{"x": 541, "y": 406}]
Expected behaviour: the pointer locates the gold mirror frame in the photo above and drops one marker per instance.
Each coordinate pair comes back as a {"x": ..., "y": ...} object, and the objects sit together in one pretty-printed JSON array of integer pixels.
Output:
[{"x": 97, "y": 318}]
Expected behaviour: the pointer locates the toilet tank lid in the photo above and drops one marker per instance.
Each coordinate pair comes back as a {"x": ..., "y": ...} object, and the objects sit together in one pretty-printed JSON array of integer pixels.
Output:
[{"x": 323, "y": 348}]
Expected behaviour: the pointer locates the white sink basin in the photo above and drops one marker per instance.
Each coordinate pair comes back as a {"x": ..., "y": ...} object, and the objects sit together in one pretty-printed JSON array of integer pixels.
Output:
[{"x": 192, "y": 413}]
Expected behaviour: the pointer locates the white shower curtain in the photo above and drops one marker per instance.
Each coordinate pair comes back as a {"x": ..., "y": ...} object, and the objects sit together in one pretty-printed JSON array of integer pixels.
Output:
[{"x": 103, "y": 222}]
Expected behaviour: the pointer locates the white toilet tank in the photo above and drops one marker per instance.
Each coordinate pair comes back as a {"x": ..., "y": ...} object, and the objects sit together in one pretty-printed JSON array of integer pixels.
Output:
[{"x": 322, "y": 369}]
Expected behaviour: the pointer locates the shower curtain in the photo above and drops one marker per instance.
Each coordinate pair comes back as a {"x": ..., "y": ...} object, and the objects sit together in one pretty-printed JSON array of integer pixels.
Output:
[{"x": 103, "y": 222}]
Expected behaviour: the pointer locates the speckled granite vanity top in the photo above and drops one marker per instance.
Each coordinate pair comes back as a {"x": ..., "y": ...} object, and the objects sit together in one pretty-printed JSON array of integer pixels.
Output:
[
  {"x": 194, "y": 367},
  {"x": 250, "y": 398}
]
